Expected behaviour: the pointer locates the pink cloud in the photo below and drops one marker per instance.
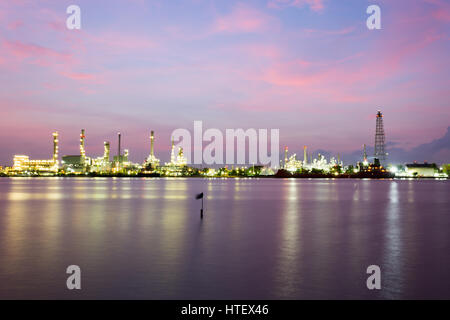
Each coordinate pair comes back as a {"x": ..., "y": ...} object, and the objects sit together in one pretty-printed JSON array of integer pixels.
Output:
[
  {"x": 83, "y": 77},
  {"x": 19, "y": 52},
  {"x": 441, "y": 11},
  {"x": 442, "y": 14},
  {"x": 243, "y": 19}
]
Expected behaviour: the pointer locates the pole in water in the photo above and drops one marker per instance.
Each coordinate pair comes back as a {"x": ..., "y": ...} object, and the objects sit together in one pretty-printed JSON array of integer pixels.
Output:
[{"x": 200, "y": 196}]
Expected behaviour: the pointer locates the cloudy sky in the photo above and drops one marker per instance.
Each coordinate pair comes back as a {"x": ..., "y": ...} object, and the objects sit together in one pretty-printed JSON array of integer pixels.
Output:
[{"x": 310, "y": 68}]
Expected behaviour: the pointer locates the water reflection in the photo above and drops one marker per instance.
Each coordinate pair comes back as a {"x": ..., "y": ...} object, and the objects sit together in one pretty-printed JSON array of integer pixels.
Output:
[
  {"x": 289, "y": 249},
  {"x": 393, "y": 250},
  {"x": 266, "y": 238}
]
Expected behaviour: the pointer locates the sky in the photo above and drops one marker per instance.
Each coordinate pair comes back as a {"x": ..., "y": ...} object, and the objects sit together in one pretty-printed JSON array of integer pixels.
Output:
[{"x": 310, "y": 68}]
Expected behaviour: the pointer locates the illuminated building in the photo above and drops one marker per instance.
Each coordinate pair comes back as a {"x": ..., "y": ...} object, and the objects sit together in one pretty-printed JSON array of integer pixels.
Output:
[
  {"x": 176, "y": 161},
  {"x": 77, "y": 163},
  {"x": 320, "y": 163},
  {"x": 267, "y": 171},
  {"x": 120, "y": 160},
  {"x": 102, "y": 164},
  {"x": 72, "y": 164},
  {"x": 181, "y": 160},
  {"x": 152, "y": 162},
  {"x": 423, "y": 170},
  {"x": 23, "y": 164},
  {"x": 177, "y": 164},
  {"x": 364, "y": 165},
  {"x": 292, "y": 164},
  {"x": 106, "y": 152}
]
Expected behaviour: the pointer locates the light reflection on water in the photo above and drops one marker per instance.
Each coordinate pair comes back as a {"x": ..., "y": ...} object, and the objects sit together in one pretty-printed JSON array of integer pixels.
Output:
[{"x": 260, "y": 239}]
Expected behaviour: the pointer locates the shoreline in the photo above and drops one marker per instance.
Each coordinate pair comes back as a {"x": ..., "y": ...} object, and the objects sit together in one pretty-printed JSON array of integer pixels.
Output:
[{"x": 228, "y": 177}]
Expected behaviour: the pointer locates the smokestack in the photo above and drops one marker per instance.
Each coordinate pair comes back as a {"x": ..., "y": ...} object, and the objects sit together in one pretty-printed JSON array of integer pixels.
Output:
[
  {"x": 152, "y": 139},
  {"x": 118, "y": 149},
  {"x": 285, "y": 156},
  {"x": 305, "y": 154},
  {"x": 364, "y": 153},
  {"x": 55, "y": 147},
  {"x": 82, "y": 149}
]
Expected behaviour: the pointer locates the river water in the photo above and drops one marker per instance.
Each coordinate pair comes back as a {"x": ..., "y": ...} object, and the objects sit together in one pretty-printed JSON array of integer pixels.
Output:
[{"x": 259, "y": 238}]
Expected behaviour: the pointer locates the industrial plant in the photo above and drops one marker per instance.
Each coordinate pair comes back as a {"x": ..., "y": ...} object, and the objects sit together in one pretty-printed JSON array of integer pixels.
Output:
[{"x": 120, "y": 165}]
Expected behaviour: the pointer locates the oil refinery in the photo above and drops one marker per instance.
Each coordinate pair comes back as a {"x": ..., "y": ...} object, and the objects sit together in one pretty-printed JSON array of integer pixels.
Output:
[{"x": 308, "y": 167}]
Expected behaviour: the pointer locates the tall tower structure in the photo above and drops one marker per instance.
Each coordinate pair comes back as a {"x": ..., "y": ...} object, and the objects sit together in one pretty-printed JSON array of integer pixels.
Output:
[
  {"x": 55, "y": 151},
  {"x": 55, "y": 148},
  {"x": 285, "y": 156},
  {"x": 364, "y": 154},
  {"x": 152, "y": 142},
  {"x": 181, "y": 160},
  {"x": 119, "y": 136},
  {"x": 305, "y": 155},
  {"x": 151, "y": 159},
  {"x": 106, "y": 152},
  {"x": 82, "y": 146},
  {"x": 380, "y": 152},
  {"x": 172, "y": 153}
]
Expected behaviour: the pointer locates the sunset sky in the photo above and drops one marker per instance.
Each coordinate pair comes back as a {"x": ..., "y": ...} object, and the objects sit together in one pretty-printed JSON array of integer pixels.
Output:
[{"x": 310, "y": 68}]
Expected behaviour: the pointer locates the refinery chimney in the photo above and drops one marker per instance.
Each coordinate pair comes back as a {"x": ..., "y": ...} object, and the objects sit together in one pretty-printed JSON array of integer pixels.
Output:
[
  {"x": 364, "y": 154},
  {"x": 285, "y": 156},
  {"x": 305, "y": 155},
  {"x": 118, "y": 147},
  {"x": 152, "y": 141},
  {"x": 82, "y": 146},
  {"x": 55, "y": 148}
]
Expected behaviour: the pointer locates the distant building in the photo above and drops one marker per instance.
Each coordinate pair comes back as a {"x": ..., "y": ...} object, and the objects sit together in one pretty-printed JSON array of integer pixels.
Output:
[
  {"x": 152, "y": 162},
  {"x": 421, "y": 169},
  {"x": 23, "y": 164},
  {"x": 446, "y": 168},
  {"x": 73, "y": 163},
  {"x": 291, "y": 164},
  {"x": 177, "y": 164}
]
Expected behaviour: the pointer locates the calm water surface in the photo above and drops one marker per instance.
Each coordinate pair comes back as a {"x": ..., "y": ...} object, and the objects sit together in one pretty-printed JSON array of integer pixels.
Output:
[{"x": 260, "y": 239}]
